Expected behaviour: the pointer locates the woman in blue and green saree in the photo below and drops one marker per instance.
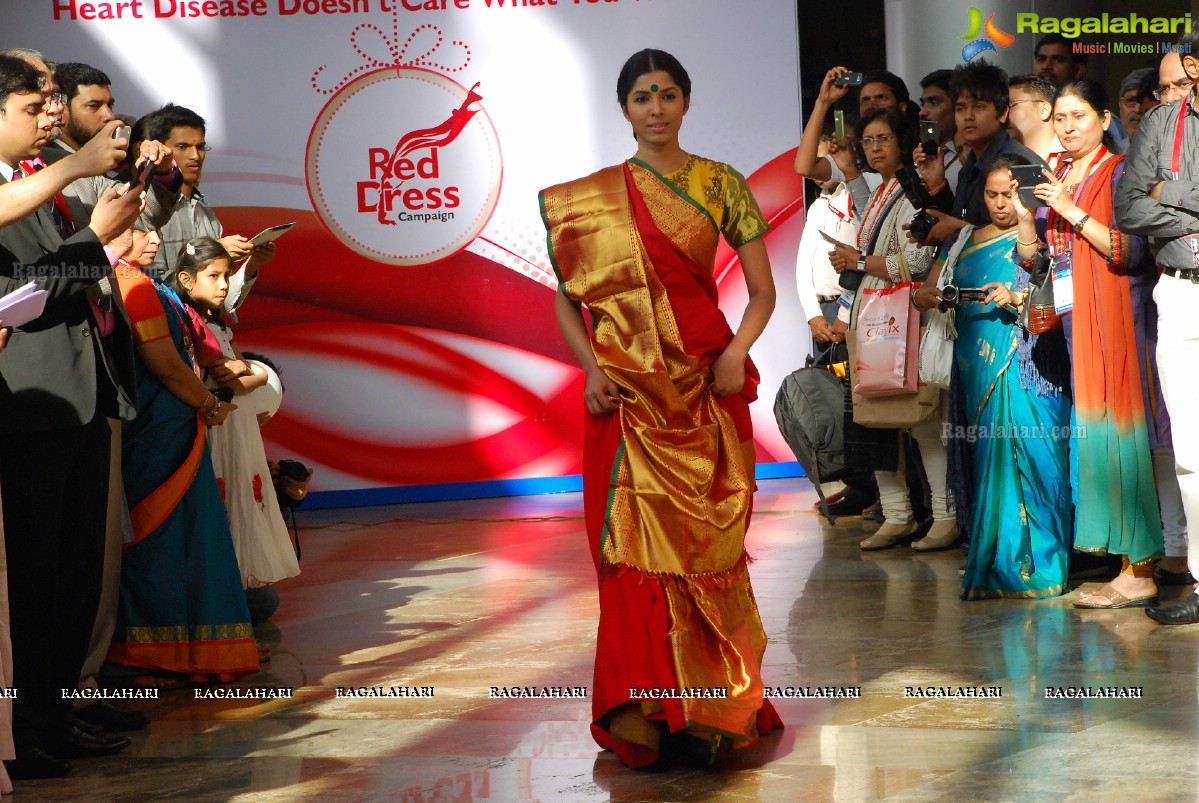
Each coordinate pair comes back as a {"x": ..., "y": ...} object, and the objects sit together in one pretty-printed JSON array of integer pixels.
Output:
[
  {"x": 668, "y": 459},
  {"x": 1010, "y": 416},
  {"x": 182, "y": 614}
]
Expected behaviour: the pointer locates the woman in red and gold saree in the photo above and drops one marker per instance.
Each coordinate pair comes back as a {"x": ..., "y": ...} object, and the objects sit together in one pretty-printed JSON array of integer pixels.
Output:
[{"x": 668, "y": 473}]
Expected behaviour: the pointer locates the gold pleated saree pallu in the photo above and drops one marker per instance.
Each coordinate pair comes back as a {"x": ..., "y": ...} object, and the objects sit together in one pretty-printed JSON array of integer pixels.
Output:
[{"x": 668, "y": 478}]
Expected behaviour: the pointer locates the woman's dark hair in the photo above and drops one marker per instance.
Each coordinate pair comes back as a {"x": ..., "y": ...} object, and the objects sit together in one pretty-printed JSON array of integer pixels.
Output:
[
  {"x": 1006, "y": 161},
  {"x": 195, "y": 256},
  {"x": 650, "y": 60},
  {"x": 1094, "y": 95},
  {"x": 250, "y": 355},
  {"x": 899, "y": 123}
]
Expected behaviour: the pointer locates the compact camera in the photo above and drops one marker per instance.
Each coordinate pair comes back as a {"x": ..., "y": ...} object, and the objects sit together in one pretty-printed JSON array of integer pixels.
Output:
[{"x": 952, "y": 296}]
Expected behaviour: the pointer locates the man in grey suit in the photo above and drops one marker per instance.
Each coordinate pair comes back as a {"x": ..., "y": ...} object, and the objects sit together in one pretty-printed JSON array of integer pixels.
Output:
[{"x": 61, "y": 375}]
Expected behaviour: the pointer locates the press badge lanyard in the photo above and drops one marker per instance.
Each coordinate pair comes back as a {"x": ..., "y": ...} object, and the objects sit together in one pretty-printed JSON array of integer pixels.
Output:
[
  {"x": 1175, "y": 162},
  {"x": 1063, "y": 262}
]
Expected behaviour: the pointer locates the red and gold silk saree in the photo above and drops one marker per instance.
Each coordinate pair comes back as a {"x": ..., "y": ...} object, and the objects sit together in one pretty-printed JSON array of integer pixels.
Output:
[{"x": 668, "y": 478}]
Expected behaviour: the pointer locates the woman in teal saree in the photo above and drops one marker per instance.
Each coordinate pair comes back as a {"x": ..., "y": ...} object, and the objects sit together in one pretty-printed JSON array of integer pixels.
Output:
[
  {"x": 182, "y": 614},
  {"x": 1010, "y": 432}
]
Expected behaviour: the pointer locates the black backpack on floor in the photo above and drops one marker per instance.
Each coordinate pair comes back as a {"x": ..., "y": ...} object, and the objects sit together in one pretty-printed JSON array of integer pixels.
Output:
[{"x": 810, "y": 411}]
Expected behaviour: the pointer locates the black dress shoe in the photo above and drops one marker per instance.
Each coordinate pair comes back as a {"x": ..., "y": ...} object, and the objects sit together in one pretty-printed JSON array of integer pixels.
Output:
[
  {"x": 1165, "y": 577},
  {"x": 86, "y": 727},
  {"x": 36, "y": 763},
  {"x": 851, "y": 503},
  {"x": 1184, "y": 613},
  {"x": 111, "y": 718},
  {"x": 71, "y": 742}
]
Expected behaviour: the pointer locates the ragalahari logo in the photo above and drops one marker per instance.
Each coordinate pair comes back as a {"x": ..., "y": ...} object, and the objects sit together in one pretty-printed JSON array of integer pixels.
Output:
[{"x": 994, "y": 36}]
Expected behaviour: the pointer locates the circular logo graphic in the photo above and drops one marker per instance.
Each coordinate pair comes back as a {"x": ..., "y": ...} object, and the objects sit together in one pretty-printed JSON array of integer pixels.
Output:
[{"x": 404, "y": 166}]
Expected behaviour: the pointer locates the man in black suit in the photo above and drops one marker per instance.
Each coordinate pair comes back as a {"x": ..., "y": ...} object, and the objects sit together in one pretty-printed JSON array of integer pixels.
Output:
[{"x": 60, "y": 377}]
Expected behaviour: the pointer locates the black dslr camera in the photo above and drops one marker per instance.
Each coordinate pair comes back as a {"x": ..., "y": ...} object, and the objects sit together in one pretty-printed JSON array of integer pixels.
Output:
[
  {"x": 292, "y": 485},
  {"x": 922, "y": 223}
]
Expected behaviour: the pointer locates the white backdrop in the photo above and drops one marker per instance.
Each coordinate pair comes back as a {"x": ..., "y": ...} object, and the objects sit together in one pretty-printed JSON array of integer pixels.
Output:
[{"x": 450, "y": 371}]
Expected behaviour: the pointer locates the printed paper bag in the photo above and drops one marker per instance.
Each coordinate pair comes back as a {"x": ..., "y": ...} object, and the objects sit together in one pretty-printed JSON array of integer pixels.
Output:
[{"x": 888, "y": 342}]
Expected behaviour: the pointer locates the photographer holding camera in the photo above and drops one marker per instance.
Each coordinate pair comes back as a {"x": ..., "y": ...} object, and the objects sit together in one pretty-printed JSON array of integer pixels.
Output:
[
  {"x": 981, "y": 106},
  {"x": 885, "y": 135}
]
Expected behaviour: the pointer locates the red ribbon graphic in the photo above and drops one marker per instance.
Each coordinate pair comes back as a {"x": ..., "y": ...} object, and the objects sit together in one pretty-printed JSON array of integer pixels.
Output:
[{"x": 426, "y": 41}]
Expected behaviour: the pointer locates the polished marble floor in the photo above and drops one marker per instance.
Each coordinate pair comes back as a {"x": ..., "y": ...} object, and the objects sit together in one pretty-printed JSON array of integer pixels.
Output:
[{"x": 464, "y": 596}]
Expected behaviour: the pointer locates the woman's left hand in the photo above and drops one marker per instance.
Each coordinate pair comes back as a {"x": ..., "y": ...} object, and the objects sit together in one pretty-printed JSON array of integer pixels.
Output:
[
  {"x": 728, "y": 372},
  {"x": 842, "y": 257},
  {"x": 1000, "y": 295},
  {"x": 1054, "y": 194}
]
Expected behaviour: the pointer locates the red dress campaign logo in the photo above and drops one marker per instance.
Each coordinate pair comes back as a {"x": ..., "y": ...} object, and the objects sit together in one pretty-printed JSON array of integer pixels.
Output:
[{"x": 403, "y": 164}]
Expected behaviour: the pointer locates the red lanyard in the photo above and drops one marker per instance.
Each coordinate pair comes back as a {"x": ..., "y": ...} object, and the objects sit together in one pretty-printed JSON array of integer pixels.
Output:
[
  {"x": 869, "y": 226},
  {"x": 1182, "y": 115},
  {"x": 847, "y": 215},
  {"x": 30, "y": 167}
]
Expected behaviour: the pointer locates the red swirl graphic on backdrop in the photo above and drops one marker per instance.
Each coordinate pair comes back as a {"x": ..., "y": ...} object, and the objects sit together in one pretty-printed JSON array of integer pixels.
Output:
[{"x": 332, "y": 307}]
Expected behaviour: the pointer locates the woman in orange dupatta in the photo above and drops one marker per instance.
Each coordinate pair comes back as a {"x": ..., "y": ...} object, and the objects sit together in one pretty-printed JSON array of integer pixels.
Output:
[
  {"x": 668, "y": 472},
  {"x": 182, "y": 614},
  {"x": 1111, "y": 466}
]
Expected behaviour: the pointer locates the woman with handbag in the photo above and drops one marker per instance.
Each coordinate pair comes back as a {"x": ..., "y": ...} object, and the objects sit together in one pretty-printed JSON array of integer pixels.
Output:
[
  {"x": 1110, "y": 462},
  {"x": 882, "y": 254},
  {"x": 1011, "y": 412}
]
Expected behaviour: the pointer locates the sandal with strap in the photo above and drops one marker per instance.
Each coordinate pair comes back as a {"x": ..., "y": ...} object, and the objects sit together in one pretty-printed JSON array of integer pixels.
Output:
[{"x": 1117, "y": 600}]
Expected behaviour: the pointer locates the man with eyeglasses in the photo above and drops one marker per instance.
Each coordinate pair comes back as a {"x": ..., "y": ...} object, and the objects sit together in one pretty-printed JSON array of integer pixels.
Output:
[
  {"x": 1030, "y": 116},
  {"x": 1173, "y": 83},
  {"x": 183, "y": 132},
  {"x": 71, "y": 211},
  {"x": 60, "y": 378},
  {"x": 1158, "y": 196}
]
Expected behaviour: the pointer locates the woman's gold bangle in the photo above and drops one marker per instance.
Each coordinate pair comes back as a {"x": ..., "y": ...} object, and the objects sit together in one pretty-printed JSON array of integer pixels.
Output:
[{"x": 1021, "y": 242}]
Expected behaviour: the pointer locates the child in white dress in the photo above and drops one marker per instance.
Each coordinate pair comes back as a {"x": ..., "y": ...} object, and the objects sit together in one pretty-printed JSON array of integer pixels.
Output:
[{"x": 260, "y": 538}]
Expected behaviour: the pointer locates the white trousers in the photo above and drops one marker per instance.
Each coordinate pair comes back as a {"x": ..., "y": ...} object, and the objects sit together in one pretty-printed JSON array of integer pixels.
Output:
[
  {"x": 1177, "y": 360},
  {"x": 893, "y": 486}
]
